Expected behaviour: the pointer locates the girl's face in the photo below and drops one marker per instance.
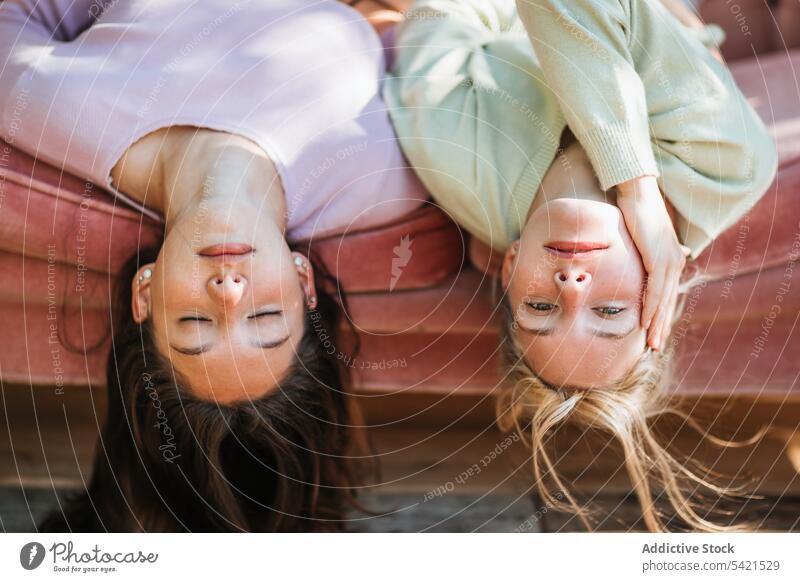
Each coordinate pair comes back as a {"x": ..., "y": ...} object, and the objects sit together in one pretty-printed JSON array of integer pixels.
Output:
[
  {"x": 575, "y": 280},
  {"x": 227, "y": 304}
]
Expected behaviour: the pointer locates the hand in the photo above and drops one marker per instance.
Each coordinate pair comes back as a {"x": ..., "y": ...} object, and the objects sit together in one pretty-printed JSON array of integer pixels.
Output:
[
  {"x": 381, "y": 14},
  {"x": 663, "y": 256},
  {"x": 689, "y": 19}
]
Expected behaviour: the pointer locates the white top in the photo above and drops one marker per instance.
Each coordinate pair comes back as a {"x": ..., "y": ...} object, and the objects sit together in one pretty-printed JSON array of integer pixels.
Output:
[{"x": 82, "y": 80}]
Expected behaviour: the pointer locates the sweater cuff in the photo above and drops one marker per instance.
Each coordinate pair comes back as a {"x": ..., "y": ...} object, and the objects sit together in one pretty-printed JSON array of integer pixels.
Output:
[
  {"x": 711, "y": 35},
  {"x": 693, "y": 237},
  {"x": 618, "y": 153}
]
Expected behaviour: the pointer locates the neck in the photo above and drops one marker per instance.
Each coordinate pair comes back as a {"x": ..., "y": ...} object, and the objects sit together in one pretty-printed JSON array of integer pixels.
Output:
[
  {"x": 221, "y": 171},
  {"x": 175, "y": 169},
  {"x": 570, "y": 176}
]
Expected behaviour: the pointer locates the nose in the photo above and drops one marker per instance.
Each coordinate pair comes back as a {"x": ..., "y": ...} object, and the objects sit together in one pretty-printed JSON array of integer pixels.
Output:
[
  {"x": 572, "y": 280},
  {"x": 227, "y": 289}
]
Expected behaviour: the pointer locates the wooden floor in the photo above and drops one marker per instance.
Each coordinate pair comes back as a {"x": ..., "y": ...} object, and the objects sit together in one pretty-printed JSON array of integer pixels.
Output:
[{"x": 445, "y": 467}]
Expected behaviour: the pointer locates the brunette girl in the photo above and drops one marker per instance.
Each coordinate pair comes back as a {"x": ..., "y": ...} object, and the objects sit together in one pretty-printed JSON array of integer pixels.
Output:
[{"x": 248, "y": 128}]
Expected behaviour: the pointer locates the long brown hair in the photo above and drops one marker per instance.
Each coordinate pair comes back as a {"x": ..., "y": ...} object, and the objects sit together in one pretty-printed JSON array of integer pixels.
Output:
[{"x": 169, "y": 461}]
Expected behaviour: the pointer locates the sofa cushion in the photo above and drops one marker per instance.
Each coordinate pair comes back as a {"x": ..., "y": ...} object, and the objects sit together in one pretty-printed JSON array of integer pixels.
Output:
[
  {"x": 749, "y": 25},
  {"x": 47, "y": 212}
]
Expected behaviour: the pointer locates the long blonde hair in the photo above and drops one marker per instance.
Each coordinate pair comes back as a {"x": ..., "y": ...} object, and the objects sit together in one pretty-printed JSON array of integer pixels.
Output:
[{"x": 625, "y": 410}]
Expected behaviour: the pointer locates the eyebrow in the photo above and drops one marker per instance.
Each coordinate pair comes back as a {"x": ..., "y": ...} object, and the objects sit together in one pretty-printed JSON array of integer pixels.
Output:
[
  {"x": 191, "y": 351},
  {"x": 537, "y": 332},
  {"x": 614, "y": 336},
  {"x": 545, "y": 331},
  {"x": 205, "y": 347},
  {"x": 270, "y": 345}
]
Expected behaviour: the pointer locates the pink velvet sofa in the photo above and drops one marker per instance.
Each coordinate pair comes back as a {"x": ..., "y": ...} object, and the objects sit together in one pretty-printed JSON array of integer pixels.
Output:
[{"x": 425, "y": 317}]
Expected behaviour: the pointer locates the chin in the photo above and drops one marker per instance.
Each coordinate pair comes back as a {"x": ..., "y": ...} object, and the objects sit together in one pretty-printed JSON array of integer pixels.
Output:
[{"x": 574, "y": 219}]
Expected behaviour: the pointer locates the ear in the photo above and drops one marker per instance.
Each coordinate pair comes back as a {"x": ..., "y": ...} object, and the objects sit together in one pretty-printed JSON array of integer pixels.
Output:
[
  {"x": 509, "y": 260},
  {"x": 140, "y": 292},
  {"x": 305, "y": 271}
]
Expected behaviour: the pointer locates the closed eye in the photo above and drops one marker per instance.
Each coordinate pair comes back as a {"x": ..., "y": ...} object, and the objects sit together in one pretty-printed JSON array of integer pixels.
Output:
[
  {"x": 193, "y": 318},
  {"x": 206, "y": 319},
  {"x": 264, "y": 313}
]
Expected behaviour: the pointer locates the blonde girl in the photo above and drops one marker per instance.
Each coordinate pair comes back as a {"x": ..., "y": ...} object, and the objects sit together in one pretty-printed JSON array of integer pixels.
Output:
[{"x": 594, "y": 145}]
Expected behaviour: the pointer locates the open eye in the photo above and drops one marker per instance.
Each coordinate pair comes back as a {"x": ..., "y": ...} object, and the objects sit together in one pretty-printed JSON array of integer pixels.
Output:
[
  {"x": 609, "y": 311},
  {"x": 541, "y": 306}
]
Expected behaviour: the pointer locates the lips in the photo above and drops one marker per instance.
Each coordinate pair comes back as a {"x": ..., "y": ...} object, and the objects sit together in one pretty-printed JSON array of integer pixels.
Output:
[
  {"x": 572, "y": 249},
  {"x": 227, "y": 252},
  {"x": 233, "y": 249}
]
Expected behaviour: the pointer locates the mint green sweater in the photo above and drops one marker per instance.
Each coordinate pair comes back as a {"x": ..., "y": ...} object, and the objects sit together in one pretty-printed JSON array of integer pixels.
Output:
[{"x": 481, "y": 91}]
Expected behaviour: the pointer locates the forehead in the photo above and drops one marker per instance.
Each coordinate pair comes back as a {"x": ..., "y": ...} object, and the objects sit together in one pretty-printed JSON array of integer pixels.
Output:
[
  {"x": 571, "y": 357},
  {"x": 232, "y": 369},
  {"x": 228, "y": 375}
]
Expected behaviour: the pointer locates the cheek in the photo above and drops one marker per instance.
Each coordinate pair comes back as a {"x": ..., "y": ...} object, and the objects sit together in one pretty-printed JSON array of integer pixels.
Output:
[
  {"x": 179, "y": 268},
  {"x": 272, "y": 277},
  {"x": 180, "y": 278},
  {"x": 622, "y": 281},
  {"x": 533, "y": 274},
  {"x": 277, "y": 283},
  {"x": 623, "y": 276}
]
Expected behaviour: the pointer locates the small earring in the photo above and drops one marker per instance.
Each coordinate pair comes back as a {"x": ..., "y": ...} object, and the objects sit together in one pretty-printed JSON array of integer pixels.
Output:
[
  {"x": 300, "y": 262},
  {"x": 146, "y": 274},
  {"x": 312, "y": 302}
]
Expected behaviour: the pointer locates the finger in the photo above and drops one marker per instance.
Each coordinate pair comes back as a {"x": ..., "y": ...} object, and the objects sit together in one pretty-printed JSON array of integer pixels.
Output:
[
  {"x": 662, "y": 313},
  {"x": 652, "y": 332},
  {"x": 666, "y": 328},
  {"x": 652, "y": 296},
  {"x": 665, "y": 325}
]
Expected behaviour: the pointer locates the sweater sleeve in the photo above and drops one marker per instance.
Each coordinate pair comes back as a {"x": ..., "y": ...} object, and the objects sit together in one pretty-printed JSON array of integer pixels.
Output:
[
  {"x": 473, "y": 113},
  {"x": 583, "y": 48},
  {"x": 716, "y": 157},
  {"x": 644, "y": 95},
  {"x": 33, "y": 35},
  {"x": 29, "y": 29},
  {"x": 37, "y": 22},
  {"x": 51, "y": 101}
]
